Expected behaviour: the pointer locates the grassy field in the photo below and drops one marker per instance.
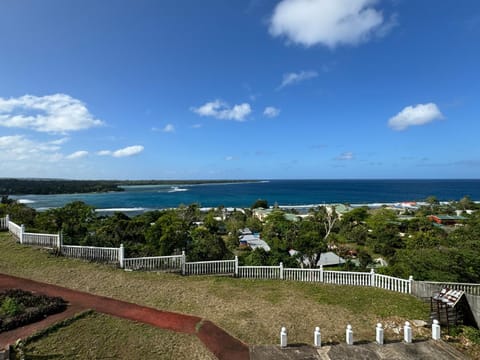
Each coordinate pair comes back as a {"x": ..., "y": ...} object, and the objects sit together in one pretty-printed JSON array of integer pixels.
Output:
[
  {"x": 251, "y": 310},
  {"x": 99, "y": 336}
]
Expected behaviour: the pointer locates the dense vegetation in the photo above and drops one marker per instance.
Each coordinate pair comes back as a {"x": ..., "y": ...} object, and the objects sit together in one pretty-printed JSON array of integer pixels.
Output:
[
  {"x": 411, "y": 243},
  {"x": 54, "y": 186},
  {"x": 19, "y": 308},
  {"x": 62, "y": 186}
]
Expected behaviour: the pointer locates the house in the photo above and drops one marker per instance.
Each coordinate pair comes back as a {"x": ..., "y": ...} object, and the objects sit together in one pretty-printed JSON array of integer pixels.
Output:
[
  {"x": 253, "y": 241},
  {"x": 447, "y": 219},
  {"x": 326, "y": 259}
]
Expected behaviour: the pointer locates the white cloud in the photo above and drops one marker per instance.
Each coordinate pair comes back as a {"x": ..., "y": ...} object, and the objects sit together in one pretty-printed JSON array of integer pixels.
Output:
[
  {"x": 169, "y": 128},
  {"x": 58, "y": 113},
  {"x": 229, "y": 158},
  {"x": 128, "y": 151},
  {"x": 327, "y": 22},
  {"x": 77, "y": 155},
  {"x": 18, "y": 148},
  {"x": 271, "y": 112},
  {"x": 104, "y": 153},
  {"x": 295, "y": 78},
  {"x": 420, "y": 114},
  {"x": 345, "y": 156},
  {"x": 221, "y": 110}
]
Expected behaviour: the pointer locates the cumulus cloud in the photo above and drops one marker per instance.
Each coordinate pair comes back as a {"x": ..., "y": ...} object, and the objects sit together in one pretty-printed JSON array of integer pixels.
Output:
[
  {"x": 420, "y": 114},
  {"x": 104, "y": 153},
  {"x": 328, "y": 22},
  {"x": 77, "y": 155},
  {"x": 295, "y": 78},
  {"x": 20, "y": 148},
  {"x": 345, "y": 156},
  {"x": 271, "y": 112},
  {"x": 221, "y": 110},
  {"x": 128, "y": 151},
  {"x": 58, "y": 113}
]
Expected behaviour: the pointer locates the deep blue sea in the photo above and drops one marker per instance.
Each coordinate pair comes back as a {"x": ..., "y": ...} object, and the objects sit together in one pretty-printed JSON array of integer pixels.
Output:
[{"x": 282, "y": 192}]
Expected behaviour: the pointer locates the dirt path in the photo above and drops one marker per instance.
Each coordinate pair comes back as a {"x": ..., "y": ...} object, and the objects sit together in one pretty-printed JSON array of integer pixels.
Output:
[{"x": 219, "y": 342}]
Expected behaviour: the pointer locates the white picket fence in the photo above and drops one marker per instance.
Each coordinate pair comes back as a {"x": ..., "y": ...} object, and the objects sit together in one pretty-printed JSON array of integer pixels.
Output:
[
  {"x": 45, "y": 240},
  {"x": 259, "y": 272},
  {"x": 177, "y": 263},
  {"x": 15, "y": 230},
  {"x": 155, "y": 263},
  {"x": 4, "y": 223},
  {"x": 92, "y": 253},
  {"x": 219, "y": 267}
]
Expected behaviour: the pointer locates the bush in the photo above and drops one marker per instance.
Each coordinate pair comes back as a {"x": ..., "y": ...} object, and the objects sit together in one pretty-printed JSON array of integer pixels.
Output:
[{"x": 19, "y": 307}]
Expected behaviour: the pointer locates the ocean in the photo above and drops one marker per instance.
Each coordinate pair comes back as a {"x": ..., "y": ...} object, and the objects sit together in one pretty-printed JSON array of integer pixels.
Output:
[{"x": 282, "y": 192}]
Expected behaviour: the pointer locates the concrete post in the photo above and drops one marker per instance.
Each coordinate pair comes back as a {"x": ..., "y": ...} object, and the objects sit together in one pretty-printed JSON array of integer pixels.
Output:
[
  {"x": 410, "y": 283},
  {"x": 407, "y": 333},
  {"x": 379, "y": 334},
  {"x": 236, "y": 266},
  {"x": 372, "y": 277},
  {"x": 349, "y": 335},
  {"x": 121, "y": 255},
  {"x": 183, "y": 262},
  {"x": 317, "y": 337},
  {"x": 436, "y": 332},
  {"x": 281, "y": 271},
  {"x": 283, "y": 337},
  {"x": 22, "y": 230}
]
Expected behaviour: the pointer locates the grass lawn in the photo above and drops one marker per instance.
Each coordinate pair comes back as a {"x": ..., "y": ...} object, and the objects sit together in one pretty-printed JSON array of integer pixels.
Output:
[
  {"x": 98, "y": 336},
  {"x": 251, "y": 310}
]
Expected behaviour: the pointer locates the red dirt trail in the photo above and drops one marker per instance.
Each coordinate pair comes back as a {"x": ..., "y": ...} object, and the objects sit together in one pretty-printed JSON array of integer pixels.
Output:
[{"x": 219, "y": 342}]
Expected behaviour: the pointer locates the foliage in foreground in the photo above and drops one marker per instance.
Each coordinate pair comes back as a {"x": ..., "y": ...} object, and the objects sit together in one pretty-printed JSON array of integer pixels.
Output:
[{"x": 19, "y": 307}]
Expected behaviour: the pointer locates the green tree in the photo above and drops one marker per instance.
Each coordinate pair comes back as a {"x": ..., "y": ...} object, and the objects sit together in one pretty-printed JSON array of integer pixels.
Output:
[
  {"x": 260, "y": 203},
  {"x": 206, "y": 246}
]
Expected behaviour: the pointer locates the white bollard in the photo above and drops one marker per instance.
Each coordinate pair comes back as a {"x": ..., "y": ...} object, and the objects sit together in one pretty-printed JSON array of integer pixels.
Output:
[
  {"x": 379, "y": 334},
  {"x": 436, "y": 333},
  {"x": 407, "y": 333},
  {"x": 317, "y": 337},
  {"x": 349, "y": 335},
  {"x": 283, "y": 337}
]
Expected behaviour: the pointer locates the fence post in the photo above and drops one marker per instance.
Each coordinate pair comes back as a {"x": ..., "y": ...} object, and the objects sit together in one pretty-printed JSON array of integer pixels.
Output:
[
  {"x": 281, "y": 271},
  {"x": 59, "y": 240},
  {"x": 7, "y": 221},
  {"x": 236, "y": 266},
  {"x": 22, "y": 230},
  {"x": 372, "y": 277},
  {"x": 121, "y": 255},
  {"x": 321, "y": 273},
  {"x": 183, "y": 262},
  {"x": 379, "y": 334},
  {"x": 436, "y": 330},
  {"x": 410, "y": 283}
]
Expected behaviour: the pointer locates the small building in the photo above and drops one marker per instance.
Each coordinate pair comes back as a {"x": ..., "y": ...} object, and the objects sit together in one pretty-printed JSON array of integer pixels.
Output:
[
  {"x": 253, "y": 241},
  {"x": 447, "y": 219}
]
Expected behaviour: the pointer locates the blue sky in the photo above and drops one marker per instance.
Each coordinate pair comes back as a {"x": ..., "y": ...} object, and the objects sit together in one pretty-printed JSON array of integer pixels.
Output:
[{"x": 231, "y": 89}]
